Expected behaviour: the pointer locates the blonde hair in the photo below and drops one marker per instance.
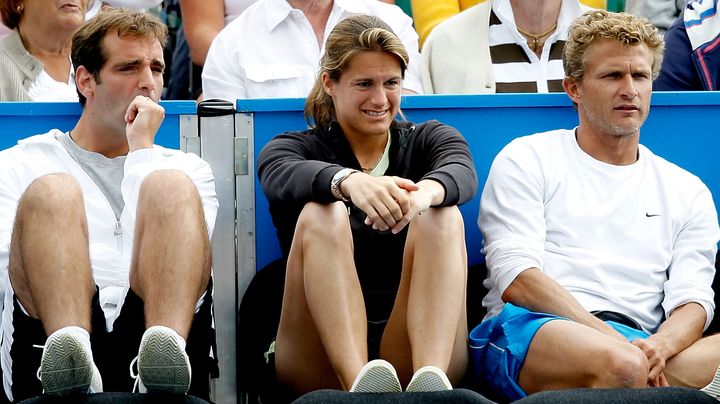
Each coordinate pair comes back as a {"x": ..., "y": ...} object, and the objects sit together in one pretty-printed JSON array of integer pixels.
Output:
[
  {"x": 623, "y": 28},
  {"x": 350, "y": 36}
]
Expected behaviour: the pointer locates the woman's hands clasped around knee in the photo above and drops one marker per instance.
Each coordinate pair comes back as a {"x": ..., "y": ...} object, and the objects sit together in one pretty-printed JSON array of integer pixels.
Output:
[{"x": 389, "y": 202}]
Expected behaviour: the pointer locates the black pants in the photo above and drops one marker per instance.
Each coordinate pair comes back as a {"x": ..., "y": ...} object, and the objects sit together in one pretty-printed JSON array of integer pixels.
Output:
[{"x": 113, "y": 351}]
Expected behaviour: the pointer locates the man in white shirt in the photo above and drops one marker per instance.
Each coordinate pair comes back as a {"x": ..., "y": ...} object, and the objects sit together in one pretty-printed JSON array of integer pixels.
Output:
[
  {"x": 104, "y": 236},
  {"x": 589, "y": 227},
  {"x": 273, "y": 48}
]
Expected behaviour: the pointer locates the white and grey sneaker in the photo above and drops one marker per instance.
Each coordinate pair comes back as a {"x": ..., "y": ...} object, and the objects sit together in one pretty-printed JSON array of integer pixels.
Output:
[
  {"x": 66, "y": 365},
  {"x": 377, "y": 376},
  {"x": 163, "y": 365},
  {"x": 713, "y": 389},
  {"x": 429, "y": 378}
]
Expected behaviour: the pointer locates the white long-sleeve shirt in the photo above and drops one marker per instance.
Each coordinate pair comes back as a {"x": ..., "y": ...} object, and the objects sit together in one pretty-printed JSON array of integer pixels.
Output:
[
  {"x": 637, "y": 239},
  {"x": 270, "y": 50}
]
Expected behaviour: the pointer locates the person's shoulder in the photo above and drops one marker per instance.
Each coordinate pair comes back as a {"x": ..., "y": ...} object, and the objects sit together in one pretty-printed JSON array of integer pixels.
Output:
[
  {"x": 248, "y": 20},
  {"x": 27, "y": 149},
  {"x": 673, "y": 173},
  {"x": 544, "y": 147},
  {"x": 377, "y": 8},
  {"x": 469, "y": 19}
]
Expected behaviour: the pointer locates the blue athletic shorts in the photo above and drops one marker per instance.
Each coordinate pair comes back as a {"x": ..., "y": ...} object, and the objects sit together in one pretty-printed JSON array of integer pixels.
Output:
[{"x": 499, "y": 344}]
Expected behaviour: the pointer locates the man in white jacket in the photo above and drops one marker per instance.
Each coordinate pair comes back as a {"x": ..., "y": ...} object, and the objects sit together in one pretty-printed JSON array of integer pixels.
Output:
[
  {"x": 105, "y": 236},
  {"x": 600, "y": 254}
]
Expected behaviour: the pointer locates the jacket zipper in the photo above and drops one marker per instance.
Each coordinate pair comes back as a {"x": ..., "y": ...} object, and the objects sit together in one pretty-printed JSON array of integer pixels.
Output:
[{"x": 118, "y": 236}]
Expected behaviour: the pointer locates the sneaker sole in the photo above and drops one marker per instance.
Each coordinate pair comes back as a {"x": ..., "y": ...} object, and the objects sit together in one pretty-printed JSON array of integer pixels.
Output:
[
  {"x": 378, "y": 380},
  {"x": 66, "y": 367},
  {"x": 713, "y": 389},
  {"x": 427, "y": 382},
  {"x": 162, "y": 365}
]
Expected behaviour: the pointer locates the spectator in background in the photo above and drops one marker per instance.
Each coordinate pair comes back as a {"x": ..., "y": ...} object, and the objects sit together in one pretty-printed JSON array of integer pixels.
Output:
[
  {"x": 429, "y": 13},
  {"x": 661, "y": 13},
  {"x": 35, "y": 56},
  {"x": 692, "y": 50},
  {"x": 365, "y": 208},
  {"x": 201, "y": 22},
  {"x": 500, "y": 46},
  {"x": 204, "y": 19},
  {"x": 273, "y": 48}
]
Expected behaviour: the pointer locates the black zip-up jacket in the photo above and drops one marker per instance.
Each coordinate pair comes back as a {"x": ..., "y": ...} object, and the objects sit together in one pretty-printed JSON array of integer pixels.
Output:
[{"x": 296, "y": 167}]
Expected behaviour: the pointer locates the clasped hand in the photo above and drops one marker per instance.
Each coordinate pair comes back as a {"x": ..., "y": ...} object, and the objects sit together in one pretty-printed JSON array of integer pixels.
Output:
[
  {"x": 656, "y": 361},
  {"x": 143, "y": 119},
  {"x": 389, "y": 202}
]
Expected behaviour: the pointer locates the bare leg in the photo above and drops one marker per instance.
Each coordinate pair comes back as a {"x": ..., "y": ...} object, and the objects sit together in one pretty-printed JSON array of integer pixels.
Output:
[
  {"x": 322, "y": 338},
  {"x": 696, "y": 365},
  {"x": 49, "y": 258},
  {"x": 428, "y": 325},
  {"x": 564, "y": 354},
  {"x": 171, "y": 257}
]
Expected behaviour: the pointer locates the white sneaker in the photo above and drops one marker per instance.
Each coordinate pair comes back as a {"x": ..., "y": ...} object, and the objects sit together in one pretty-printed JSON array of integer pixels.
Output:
[
  {"x": 163, "y": 366},
  {"x": 377, "y": 376},
  {"x": 713, "y": 389},
  {"x": 67, "y": 367},
  {"x": 429, "y": 378}
]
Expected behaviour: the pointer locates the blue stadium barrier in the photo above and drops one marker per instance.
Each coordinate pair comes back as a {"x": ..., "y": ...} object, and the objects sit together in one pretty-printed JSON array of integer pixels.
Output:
[
  {"x": 682, "y": 127},
  {"x": 22, "y": 119}
]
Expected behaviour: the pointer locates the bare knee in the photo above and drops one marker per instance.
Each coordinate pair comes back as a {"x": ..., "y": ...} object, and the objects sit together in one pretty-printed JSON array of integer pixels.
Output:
[
  {"x": 52, "y": 193},
  {"x": 327, "y": 222},
  {"x": 169, "y": 189},
  {"x": 625, "y": 367},
  {"x": 441, "y": 223}
]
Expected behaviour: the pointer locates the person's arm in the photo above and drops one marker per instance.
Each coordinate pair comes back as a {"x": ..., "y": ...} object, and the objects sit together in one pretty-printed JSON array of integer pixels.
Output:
[
  {"x": 223, "y": 75},
  {"x": 679, "y": 331},
  {"x": 689, "y": 299},
  {"x": 288, "y": 170},
  {"x": 678, "y": 72},
  {"x": 202, "y": 20},
  {"x": 450, "y": 179},
  {"x": 143, "y": 118},
  {"x": 429, "y": 13},
  {"x": 535, "y": 291}
]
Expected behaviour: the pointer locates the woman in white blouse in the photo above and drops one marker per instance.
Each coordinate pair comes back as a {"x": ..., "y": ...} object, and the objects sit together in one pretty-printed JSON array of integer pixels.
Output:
[{"x": 35, "y": 56}]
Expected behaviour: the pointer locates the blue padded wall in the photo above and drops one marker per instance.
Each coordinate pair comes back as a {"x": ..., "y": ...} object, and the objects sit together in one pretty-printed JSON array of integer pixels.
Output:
[
  {"x": 19, "y": 120},
  {"x": 682, "y": 127}
]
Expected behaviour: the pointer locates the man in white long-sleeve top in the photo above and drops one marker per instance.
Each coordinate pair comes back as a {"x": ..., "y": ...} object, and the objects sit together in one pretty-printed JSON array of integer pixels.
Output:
[
  {"x": 105, "y": 236},
  {"x": 590, "y": 228}
]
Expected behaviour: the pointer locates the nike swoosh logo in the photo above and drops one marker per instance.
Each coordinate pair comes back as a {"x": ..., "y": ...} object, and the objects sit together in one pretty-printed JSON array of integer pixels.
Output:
[{"x": 652, "y": 214}]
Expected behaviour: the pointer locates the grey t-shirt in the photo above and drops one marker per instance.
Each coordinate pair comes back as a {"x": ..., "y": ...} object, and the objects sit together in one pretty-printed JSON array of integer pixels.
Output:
[{"x": 106, "y": 173}]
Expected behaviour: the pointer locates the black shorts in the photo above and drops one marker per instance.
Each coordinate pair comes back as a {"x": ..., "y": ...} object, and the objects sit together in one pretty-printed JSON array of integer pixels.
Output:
[{"x": 113, "y": 351}]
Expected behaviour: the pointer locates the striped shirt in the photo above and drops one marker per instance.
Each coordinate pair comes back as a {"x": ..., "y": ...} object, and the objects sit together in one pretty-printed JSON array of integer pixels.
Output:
[{"x": 516, "y": 68}]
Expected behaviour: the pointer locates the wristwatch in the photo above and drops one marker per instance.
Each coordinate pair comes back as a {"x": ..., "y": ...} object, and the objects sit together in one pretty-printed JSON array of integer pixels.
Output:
[{"x": 337, "y": 179}]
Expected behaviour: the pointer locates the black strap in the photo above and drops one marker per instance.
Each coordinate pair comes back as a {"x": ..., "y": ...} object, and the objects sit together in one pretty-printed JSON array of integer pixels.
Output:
[{"x": 624, "y": 319}]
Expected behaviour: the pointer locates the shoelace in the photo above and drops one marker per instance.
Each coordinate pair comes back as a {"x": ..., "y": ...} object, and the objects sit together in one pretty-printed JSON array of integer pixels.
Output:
[
  {"x": 135, "y": 376},
  {"x": 37, "y": 373}
]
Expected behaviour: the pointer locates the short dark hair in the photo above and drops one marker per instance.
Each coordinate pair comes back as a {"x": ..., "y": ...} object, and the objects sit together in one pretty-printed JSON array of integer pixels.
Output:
[
  {"x": 9, "y": 12},
  {"x": 87, "y": 43}
]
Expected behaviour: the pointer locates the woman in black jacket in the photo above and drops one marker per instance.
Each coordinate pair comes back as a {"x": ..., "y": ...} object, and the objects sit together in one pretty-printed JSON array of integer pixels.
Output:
[{"x": 365, "y": 208}]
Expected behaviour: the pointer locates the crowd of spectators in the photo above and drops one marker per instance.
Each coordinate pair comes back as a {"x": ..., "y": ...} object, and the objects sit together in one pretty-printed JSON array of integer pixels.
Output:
[{"x": 481, "y": 46}]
